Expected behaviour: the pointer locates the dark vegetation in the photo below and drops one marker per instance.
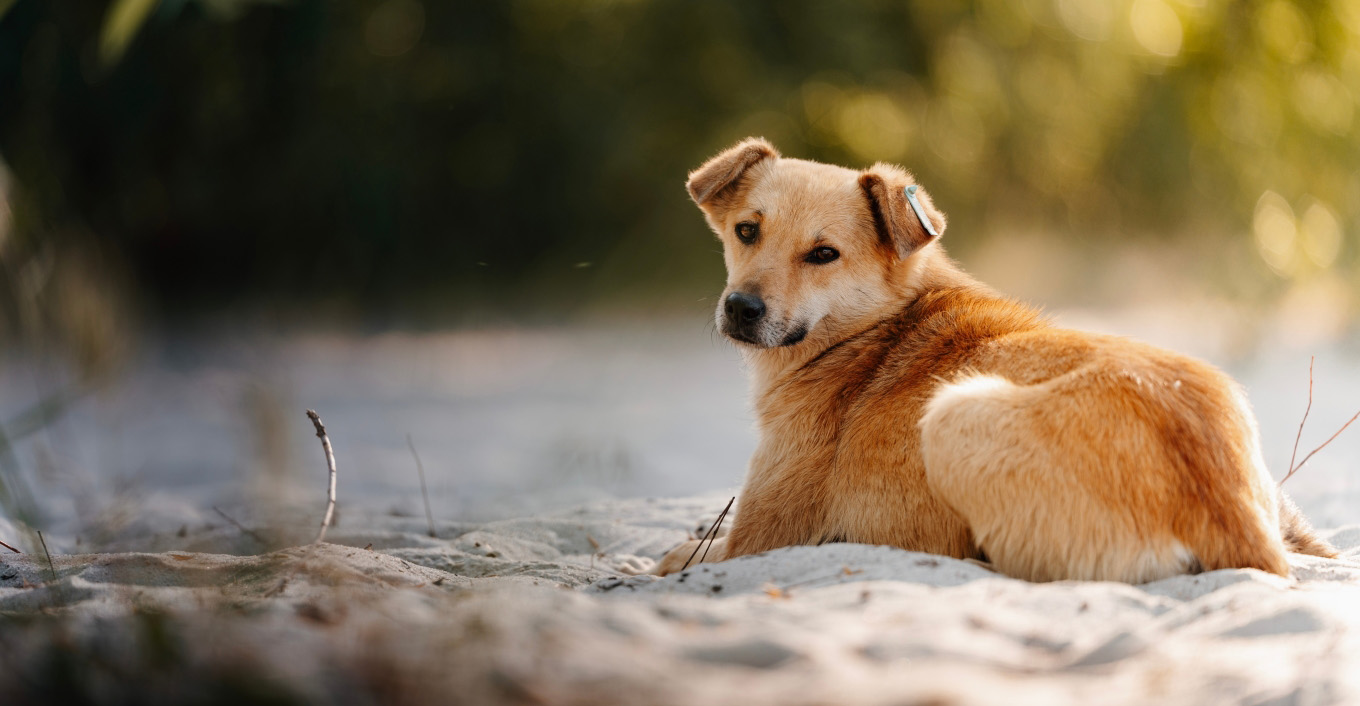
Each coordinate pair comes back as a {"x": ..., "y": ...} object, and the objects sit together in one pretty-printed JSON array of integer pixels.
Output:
[{"x": 400, "y": 156}]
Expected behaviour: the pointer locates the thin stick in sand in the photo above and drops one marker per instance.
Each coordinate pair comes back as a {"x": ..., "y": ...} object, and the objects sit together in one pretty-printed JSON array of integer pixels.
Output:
[
  {"x": 717, "y": 529},
  {"x": 330, "y": 465},
  {"x": 50, "y": 567},
  {"x": 1295, "y": 469},
  {"x": 239, "y": 526},
  {"x": 710, "y": 536},
  {"x": 1320, "y": 447},
  {"x": 1306, "y": 410},
  {"x": 16, "y": 551},
  {"x": 425, "y": 494}
]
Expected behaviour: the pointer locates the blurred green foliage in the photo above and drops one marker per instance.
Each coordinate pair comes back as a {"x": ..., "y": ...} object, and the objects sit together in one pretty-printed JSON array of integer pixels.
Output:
[{"x": 395, "y": 151}]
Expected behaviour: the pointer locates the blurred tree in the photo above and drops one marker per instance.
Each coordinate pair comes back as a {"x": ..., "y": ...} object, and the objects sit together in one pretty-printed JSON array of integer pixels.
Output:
[{"x": 497, "y": 152}]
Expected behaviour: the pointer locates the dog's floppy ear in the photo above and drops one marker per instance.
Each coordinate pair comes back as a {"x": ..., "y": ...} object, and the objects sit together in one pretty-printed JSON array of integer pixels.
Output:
[
  {"x": 898, "y": 224},
  {"x": 709, "y": 182}
]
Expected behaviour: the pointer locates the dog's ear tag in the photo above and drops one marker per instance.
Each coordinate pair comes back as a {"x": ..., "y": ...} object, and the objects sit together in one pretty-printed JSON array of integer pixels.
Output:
[{"x": 920, "y": 212}]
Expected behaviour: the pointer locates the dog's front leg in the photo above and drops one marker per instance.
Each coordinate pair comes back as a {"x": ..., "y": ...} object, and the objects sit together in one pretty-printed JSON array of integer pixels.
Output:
[
  {"x": 782, "y": 504},
  {"x": 758, "y": 528},
  {"x": 767, "y": 523}
]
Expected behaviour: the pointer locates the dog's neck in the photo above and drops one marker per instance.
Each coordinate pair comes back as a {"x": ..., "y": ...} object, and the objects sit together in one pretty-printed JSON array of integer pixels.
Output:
[{"x": 927, "y": 270}]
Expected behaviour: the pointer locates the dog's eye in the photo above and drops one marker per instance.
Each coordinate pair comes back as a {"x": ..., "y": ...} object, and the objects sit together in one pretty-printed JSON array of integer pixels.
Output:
[
  {"x": 822, "y": 255},
  {"x": 747, "y": 232}
]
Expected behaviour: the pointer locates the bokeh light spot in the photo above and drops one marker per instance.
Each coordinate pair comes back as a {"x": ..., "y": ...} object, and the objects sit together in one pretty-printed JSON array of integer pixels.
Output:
[
  {"x": 1276, "y": 233},
  {"x": 1321, "y": 234},
  {"x": 1324, "y": 102},
  {"x": 1156, "y": 27},
  {"x": 873, "y": 127},
  {"x": 1087, "y": 19},
  {"x": 1285, "y": 31}
]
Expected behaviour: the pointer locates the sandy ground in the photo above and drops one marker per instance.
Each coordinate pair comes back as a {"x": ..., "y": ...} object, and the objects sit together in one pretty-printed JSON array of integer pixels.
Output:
[
  {"x": 514, "y": 421},
  {"x": 548, "y": 609},
  {"x": 152, "y": 596}
]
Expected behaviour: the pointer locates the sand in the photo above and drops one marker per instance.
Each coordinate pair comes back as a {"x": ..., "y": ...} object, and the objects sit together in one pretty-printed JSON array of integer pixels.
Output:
[{"x": 551, "y": 609}]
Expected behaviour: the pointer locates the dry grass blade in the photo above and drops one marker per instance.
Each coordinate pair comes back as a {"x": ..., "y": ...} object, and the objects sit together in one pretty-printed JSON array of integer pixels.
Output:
[
  {"x": 1303, "y": 421},
  {"x": 1320, "y": 447},
  {"x": 330, "y": 465},
  {"x": 774, "y": 591},
  {"x": 16, "y": 551},
  {"x": 15, "y": 496},
  {"x": 424, "y": 493},
  {"x": 1293, "y": 468},
  {"x": 710, "y": 535},
  {"x": 245, "y": 530},
  {"x": 50, "y": 566},
  {"x": 717, "y": 528}
]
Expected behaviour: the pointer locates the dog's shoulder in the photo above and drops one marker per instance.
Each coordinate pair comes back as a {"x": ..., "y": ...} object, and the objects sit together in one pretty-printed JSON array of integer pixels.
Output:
[{"x": 942, "y": 327}]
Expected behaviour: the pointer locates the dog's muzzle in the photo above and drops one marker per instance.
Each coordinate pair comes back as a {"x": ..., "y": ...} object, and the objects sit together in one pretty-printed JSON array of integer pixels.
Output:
[
  {"x": 744, "y": 318},
  {"x": 743, "y": 315}
]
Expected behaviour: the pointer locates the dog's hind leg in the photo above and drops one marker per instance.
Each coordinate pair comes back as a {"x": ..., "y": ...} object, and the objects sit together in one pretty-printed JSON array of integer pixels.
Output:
[{"x": 1069, "y": 480}]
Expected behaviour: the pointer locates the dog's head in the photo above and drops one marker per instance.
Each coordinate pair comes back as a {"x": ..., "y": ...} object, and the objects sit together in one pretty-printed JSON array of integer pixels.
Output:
[{"x": 809, "y": 247}]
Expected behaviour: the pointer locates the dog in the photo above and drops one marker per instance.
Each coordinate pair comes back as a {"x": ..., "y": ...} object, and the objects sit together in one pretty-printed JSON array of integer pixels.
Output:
[{"x": 900, "y": 402}]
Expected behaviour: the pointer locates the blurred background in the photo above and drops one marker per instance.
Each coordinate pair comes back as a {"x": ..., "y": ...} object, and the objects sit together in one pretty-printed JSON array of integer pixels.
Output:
[{"x": 466, "y": 222}]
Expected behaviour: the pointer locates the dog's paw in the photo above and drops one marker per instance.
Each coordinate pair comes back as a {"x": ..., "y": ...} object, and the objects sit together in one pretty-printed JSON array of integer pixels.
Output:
[
  {"x": 676, "y": 558},
  {"x": 632, "y": 565},
  {"x": 691, "y": 553}
]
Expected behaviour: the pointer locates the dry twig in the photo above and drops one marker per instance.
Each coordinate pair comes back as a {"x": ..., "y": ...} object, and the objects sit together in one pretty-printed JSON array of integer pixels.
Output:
[
  {"x": 15, "y": 496},
  {"x": 710, "y": 536},
  {"x": 330, "y": 465},
  {"x": 425, "y": 494},
  {"x": 16, "y": 551},
  {"x": 596, "y": 547},
  {"x": 1303, "y": 421},
  {"x": 1320, "y": 447},
  {"x": 239, "y": 526},
  {"x": 1293, "y": 468},
  {"x": 717, "y": 528},
  {"x": 50, "y": 567}
]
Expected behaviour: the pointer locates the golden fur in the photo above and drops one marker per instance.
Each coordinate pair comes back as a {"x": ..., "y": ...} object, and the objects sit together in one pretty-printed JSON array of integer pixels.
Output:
[{"x": 900, "y": 402}]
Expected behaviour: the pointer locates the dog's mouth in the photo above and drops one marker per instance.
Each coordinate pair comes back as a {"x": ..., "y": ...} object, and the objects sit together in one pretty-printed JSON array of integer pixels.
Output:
[
  {"x": 749, "y": 337},
  {"x": 795, "y": 336},
  {"x": 740, "y": 337}
]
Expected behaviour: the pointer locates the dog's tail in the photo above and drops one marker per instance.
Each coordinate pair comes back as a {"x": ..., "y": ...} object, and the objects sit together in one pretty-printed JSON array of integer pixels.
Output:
[
  {"x": 1299, "y": 535},
  {"x": 1250, "y": 524}
]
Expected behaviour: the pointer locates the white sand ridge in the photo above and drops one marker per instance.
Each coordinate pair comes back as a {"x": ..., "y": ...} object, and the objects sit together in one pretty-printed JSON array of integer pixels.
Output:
[{"x": 547, "y": 610}]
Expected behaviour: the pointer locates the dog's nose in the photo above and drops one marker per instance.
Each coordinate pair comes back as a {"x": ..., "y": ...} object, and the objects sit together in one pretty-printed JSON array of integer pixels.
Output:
[{"x": 743, "y": 308}]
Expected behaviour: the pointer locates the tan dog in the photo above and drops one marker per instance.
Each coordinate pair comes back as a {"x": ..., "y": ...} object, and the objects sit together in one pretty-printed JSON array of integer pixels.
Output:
[{"x": 901, "y": 402}]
